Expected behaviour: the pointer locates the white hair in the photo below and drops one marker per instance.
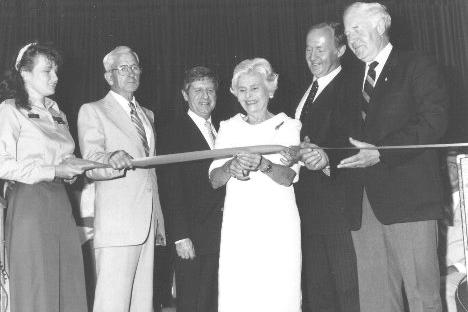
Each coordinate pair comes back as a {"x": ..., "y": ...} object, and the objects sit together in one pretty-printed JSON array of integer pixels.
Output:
[
  {"x": 374, "y": 10},
  {"x": 256, "y": 65},
  {"x": 109, "y": 59}
]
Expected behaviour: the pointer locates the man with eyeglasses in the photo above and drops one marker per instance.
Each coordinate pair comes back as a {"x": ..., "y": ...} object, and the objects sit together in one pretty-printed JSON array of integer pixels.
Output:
[{"x": 128, "y": 218}]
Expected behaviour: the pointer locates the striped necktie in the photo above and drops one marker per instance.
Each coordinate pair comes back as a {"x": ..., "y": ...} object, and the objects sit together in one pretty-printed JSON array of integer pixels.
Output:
[
  {"x": 310, "y": 99},
  {"x": 139, "y": 127},
  {"x": 369, "y": 84},
  {"x": 211, "y": 135}
]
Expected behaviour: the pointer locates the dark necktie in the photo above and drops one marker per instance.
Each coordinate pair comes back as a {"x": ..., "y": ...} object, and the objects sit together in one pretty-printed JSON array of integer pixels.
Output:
[
  {"x": 310, "y": 99},
  {"x": 369, "y": 84},
  {"x": 139, "y": 127}
]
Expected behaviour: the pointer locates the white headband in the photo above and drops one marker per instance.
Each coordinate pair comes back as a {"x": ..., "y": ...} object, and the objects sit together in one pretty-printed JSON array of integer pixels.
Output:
[{"x": 21, "y": 53}]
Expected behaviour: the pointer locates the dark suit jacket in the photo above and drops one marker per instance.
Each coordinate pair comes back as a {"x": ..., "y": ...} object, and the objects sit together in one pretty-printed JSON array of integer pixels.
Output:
[
  {"x": 321, "y": 199},
  {"x": 191, "y": 205},
  {"x": 408, "y": 106}
]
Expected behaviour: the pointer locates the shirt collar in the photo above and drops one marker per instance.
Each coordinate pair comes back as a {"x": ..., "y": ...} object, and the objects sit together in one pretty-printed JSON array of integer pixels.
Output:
[
  {"x": 199, "y": 121},
  {"x": 123, "y": 101},
  {"x": 382, "y": 56},
  {"x": 325, "y": 80},
  {"x": 48, "y": 103}
]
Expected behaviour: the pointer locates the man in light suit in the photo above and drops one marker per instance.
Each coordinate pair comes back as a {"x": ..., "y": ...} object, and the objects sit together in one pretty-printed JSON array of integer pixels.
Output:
[
  {"x": 193, "y": 208},
  {"x": 128, "y": 214},
  {"x": 399, "y": 99},
  {"x": 329, "y": 262}
]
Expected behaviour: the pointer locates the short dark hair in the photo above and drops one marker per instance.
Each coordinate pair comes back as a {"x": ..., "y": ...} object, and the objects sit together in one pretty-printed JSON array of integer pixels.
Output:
[
  {"x": 13, "y": 85},
  {"x": 338, "y": 31},
  {"x": 199, "y": 73}
]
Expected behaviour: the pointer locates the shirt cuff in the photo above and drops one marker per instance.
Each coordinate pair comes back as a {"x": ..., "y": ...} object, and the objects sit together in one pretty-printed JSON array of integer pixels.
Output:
[
  {"x": 181, "y": 240},
  {"x": 326, "y": 170},
  {"x": 460, "y": 267}
]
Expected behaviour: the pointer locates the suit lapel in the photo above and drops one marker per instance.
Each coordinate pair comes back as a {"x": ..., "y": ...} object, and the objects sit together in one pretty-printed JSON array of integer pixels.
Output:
[
  {"x": 314, "y": 124},
  {"x": 380, "y": 87},
  {"x": 327, "y": 92},
  {"x": 116, "y": 113},
  {"x": 380, "y": 90},
  {"x": 198, "y": 140}
]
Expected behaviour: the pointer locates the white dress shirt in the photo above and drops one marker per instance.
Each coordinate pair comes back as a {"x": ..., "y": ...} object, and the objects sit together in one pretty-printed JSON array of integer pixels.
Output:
[
  {"x": 200, "y": 122},
  {"x": 146, "y": 123},
  {"x": 322, "y": 83}
]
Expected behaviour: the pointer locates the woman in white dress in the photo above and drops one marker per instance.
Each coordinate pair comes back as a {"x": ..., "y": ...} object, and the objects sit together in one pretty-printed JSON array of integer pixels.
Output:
[{"x": 260, "y": 255}]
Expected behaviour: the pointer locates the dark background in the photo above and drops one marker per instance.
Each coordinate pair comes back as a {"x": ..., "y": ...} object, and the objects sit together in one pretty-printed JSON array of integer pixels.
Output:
[{"x": 173, "y": 35}]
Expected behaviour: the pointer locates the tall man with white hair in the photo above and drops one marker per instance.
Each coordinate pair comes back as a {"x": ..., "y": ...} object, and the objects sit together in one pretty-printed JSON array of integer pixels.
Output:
[
  {"x": 399, "y": 99},
  {"x": 128, "y": 215}
]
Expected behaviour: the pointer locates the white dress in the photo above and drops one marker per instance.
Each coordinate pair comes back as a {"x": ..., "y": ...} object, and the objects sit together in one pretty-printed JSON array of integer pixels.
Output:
[{"x": 260, "y": 255}]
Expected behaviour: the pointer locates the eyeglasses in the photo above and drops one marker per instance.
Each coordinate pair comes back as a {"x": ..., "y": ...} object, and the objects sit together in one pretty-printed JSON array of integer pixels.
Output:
[{"x": 126, "y": 70}]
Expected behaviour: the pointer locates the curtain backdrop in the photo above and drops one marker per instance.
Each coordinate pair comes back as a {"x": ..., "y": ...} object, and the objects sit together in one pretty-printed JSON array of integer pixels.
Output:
[{"x": 173, "y": 35}]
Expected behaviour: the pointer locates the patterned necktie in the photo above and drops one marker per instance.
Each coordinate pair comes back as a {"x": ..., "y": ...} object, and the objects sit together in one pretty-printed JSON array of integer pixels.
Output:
[
  {"x": 139, "y": 127},
  {"x": 310, "y": 99},
  {"x": 211, "y": 135},
  {"x": 369, "y": 84}
]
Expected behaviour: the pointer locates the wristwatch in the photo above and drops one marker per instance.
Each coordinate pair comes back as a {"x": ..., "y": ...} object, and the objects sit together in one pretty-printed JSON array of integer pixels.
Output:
[{"x": 267, "y": 168}]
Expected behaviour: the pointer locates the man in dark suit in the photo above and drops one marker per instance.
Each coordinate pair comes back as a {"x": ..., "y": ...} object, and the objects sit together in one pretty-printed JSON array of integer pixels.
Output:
[
  {"x": 194, "y": 208},
  {"x": 329, "y": 262},
  {"x": 399, "y": 99}
]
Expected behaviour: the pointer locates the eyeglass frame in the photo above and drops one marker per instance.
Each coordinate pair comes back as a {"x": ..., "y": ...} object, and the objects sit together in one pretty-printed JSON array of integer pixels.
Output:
[{"x": 126, "y": 70}]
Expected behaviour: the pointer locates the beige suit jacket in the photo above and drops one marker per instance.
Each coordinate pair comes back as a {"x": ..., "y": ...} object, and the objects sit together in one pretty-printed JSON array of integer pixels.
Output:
[{"x": 125, "y": 200}]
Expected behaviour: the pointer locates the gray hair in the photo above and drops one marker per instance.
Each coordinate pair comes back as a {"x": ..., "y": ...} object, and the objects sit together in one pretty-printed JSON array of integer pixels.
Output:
[
  {"x": 256, "y": 65},
  {"x": 374, "y": 10},
  {"x": 109, "y": 59}
]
